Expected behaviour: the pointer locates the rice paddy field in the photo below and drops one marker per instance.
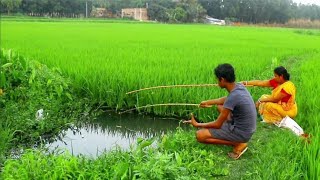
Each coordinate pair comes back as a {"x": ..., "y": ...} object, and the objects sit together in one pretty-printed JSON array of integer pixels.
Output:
[{"x": 105, "y": 60}]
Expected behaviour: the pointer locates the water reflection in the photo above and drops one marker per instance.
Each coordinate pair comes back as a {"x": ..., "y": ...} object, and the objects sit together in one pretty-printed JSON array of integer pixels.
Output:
[{"x": 111, "y": 131}]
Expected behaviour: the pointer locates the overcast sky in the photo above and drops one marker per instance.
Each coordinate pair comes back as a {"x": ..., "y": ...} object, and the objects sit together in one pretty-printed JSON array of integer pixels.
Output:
[{"x": 308, "y": 1}]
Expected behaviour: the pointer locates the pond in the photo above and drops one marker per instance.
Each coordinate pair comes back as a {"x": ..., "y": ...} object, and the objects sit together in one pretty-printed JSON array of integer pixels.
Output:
[{"x": 112, "y": 131}]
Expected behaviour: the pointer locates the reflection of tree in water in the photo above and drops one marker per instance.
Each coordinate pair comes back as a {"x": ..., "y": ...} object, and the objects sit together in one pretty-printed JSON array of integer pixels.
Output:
[{"x": 131, "y": 126}]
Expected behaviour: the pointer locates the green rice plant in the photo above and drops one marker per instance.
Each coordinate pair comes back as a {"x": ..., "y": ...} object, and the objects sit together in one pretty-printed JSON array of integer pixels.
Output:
[
  {"x": 308, "y": 114},
  {"x": 6, "y": 136},
  {"x": 106, "y": 60}
]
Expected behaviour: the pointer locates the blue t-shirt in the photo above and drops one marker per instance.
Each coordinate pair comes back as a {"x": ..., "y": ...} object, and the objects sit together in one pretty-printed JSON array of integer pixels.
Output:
[{"x": 244, "y": 114}]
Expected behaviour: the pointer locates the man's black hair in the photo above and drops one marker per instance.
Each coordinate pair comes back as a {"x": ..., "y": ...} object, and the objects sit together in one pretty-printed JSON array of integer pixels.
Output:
[{"x": 225, "y": 71}]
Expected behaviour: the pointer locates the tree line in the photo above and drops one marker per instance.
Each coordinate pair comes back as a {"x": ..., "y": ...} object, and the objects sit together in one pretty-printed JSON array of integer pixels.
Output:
[{"x": 249, "y": 11}]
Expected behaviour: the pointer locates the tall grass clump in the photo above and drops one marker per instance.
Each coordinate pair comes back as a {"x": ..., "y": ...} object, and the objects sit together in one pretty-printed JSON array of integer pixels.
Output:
[
  {"x": 308, "y": 114},
  {"x": 29, "y": 86},
  {"x": 303, "y": 23}
]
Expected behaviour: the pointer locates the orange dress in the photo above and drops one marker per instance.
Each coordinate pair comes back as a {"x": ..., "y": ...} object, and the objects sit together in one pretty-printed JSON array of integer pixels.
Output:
[{"x": 275, "y": 112}]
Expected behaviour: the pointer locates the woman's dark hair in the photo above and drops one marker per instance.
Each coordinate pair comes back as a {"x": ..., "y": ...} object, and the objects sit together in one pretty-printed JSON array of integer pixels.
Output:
[
  {"x": 225, "y": 71},
  {"x": 282, "y": 71}
]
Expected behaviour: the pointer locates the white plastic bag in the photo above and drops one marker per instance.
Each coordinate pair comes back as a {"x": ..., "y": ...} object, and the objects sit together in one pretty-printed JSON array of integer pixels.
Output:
[
  {"x": 289, "y": 123},
  {"x": 39, "y": 114}
]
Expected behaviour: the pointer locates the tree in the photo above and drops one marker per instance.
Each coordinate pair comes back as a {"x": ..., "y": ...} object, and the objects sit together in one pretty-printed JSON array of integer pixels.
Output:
[
  {"x": 213, "y": 7},
  {"x": 177, "y": 15},
  {"x": 139, "y": 3},
  {"x": 194, "y": 10},
  {"x": 230, "y": 9},
  {"x": 158, "y": 13},
  {"x": 180, "y": 14},
  {"x": 101, "y": 3},
  {"x": 160, "y": 10},
  {"x": 10, "y": 5}
]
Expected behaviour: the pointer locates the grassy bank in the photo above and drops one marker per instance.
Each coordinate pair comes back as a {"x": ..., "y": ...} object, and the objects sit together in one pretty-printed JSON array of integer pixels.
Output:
[{"x": 27, "y": 87}]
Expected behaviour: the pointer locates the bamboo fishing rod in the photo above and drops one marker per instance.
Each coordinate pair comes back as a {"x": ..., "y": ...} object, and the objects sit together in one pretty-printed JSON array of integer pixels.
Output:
[
  {"x": 174, "y": 86},
  {"x": 154, "y": 105}
]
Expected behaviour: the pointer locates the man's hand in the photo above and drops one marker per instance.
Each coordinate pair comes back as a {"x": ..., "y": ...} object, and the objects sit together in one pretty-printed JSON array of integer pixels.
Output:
[
  {"x": 205, "y": 104},
  {"x": 192, "y": 121}
]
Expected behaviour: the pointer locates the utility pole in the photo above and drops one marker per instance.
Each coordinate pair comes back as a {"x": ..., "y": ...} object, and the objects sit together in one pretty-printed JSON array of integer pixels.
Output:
[{"x": 86, "y": 9}]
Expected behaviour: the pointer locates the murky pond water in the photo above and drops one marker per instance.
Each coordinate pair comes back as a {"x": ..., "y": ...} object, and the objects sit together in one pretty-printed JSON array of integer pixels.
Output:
[{"x": 111, "y": 131}]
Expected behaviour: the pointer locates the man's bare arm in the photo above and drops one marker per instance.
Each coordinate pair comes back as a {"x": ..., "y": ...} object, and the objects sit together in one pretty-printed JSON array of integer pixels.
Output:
[
  {"x": 218, "y": 122},
  {"x": 212, "y": 102}
]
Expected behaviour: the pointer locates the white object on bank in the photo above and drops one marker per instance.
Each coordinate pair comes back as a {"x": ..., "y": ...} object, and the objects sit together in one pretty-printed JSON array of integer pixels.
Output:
[
  {"x": 289, "y": 123},
  {"x": 39, "y": 114}
]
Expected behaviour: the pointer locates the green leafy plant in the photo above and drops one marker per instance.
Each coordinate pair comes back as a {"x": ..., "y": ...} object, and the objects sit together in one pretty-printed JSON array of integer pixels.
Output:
[{"x": 30, "y": 86}]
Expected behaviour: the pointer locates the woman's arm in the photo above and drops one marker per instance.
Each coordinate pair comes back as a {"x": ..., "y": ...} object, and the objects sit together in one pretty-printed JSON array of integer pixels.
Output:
[{"x": 262, "y": 83}]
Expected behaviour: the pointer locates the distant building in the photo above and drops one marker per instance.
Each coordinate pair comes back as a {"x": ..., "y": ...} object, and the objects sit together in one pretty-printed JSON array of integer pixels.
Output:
[
  {"x": 101, "y": 12},
  {"x": 140, "y": 14}
]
